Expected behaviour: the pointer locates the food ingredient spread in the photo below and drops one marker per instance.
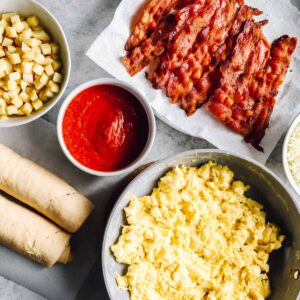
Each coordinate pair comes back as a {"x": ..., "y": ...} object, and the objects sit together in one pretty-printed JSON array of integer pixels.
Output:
[
  {"x": 293, "y": 154},
  {"x": 197, "y": 236}
]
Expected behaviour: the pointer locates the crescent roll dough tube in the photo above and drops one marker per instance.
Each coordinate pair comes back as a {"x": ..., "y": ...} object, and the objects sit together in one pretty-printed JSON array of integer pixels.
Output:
[
  {"x": 42, "y": 190},
  {"x": 32, "y": 235}
]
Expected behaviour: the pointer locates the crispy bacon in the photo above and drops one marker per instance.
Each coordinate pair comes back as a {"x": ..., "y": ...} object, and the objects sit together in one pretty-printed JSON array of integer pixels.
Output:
[
  {"x": 182, "y": 44},
  {"x": 149, "y": 21},
  {"x": 266, "y": 86},
  {"x": 155, "y": 45},
  {"x": 203, "y": 87},
  {"x": 181, "y": 80}
]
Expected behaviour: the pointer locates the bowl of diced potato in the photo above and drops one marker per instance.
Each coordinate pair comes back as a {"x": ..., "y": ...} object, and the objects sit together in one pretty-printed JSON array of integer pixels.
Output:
[{"x": 35, "y": 61}]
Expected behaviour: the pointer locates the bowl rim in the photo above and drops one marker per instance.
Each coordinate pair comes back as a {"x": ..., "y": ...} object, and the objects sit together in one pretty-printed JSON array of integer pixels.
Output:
[
  {"x": 295, "y": 122},
  {"x": 67, "y": 65},
  {"x": 146, "y": 106},
  {"x": 164, "y": 161}
]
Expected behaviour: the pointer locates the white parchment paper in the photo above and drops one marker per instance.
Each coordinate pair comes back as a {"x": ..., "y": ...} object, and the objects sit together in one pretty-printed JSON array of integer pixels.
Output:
[{"x": 284, "y": 18}]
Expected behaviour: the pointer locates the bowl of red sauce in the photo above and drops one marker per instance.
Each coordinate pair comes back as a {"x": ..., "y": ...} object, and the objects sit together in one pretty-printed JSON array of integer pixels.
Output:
[{"x": 106, "y": 127}]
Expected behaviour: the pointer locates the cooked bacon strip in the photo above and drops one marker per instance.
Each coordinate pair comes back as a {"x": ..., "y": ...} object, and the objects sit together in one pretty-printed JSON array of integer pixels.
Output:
[
  {"x": 155, "y": 45},
  {"x": 149, "y": 21},
  {"x": 267, "y": 86},
  {"x": 182, "y": 44},
  {"x": 181, "y": 80},
  {"x": 204, "y": 86},
  {"x": 231, "y": 93}
]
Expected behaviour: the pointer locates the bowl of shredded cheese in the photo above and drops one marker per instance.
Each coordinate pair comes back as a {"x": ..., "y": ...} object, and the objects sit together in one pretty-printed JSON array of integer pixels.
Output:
[
  {"x": 203, "y": 224},
  {"x": 291, "y": 155}
]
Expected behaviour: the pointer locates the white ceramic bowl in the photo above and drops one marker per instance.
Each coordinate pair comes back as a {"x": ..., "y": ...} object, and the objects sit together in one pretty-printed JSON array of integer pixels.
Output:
[
  {"x": 287, "y": 170},
  {"x": 143, "y": 102},
  {"x": 29, "y": 8}
]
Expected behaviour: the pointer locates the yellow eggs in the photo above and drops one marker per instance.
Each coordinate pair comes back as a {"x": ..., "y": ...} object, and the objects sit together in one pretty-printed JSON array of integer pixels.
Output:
[{"x": 197, "y": 236}]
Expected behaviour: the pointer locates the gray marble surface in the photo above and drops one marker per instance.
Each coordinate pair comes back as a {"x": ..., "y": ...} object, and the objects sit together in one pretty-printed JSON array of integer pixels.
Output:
[{"x": 82, "y": 21}]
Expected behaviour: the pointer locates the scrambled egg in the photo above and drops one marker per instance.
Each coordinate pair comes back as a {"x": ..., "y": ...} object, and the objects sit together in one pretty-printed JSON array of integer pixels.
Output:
[{"x": 197, "y": 236}]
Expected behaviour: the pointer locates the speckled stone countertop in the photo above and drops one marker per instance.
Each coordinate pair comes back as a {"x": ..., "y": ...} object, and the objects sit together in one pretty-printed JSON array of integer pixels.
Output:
[{"x": 82, "y": 21}]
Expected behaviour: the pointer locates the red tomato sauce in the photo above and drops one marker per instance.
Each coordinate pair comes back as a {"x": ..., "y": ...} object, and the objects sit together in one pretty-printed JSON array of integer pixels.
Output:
[{"x": 105, "y": 128}]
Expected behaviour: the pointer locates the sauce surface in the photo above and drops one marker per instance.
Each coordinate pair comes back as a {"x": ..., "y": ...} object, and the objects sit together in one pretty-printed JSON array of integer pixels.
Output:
[{"x": 105, "y": 128}]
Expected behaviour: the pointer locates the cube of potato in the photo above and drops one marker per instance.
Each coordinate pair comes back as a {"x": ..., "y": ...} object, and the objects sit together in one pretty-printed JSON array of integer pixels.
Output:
[
  {"x": 42, "y": 95},
  {"x": 26, "y": 34},
  {"x": 33, "y": 95},
  {"x": 11, "y": 85},
  {"x": 48, "y": 94},
  {"x": 2, "y": 102},
  {"x": 15, "y": 18},
  {"x": 57, "y": 77},
  {"x": 11, "y": 49},
  {"x": 24, "y": 85},
  {"x": 3, "y": 111},
  {"x": 13, "y": 94},
  {"x": 38, "y": 69},
  {"x": 56, "y": 65},
  {"x": 7, "y": 16},
  {"x": 37, "y": 104},
  {"x": 11, "y": 32},
  {"x": 25, "y": 48},
  {"x": 54, "y": 48},
  {"x": 28, "y": 56},
  {"x": 2, "y": 53},
  {"x": 14, "y": 58},
  {"x": 27, "y": 108},
  {"x": 19, "y": 27},
  {"x": 25, "y": 24},
  {"x": 24, "y": 96},
  {"x": 48, "y": 60},
  {"x": 33, "y": 21},
  {"x": 20, "y": 112},
  {"x": 28, "y": 77},
  {"x": 14, "y": 76},
  {"x": 54, "y": 87},
  {"x": 36, "y": 50},
  {"x": 6, "y": 97},
  {"x": 33, "y": 42},
  {"x": 27, "y": 67},
  {"x": 44, "y": 79},
  {"x": 46, "y": 49},
  {"x": 40, "y": 59},
  {"x": 38, "y": 85},
  {"x": 7, "y": 42},
  {"x": 12, "y": 110},
  {"x": 2, "y": 28},
  {"x": 49, "y": 70},
  {"x": 17, "y": 101},
  {"x": 41, "y": 35}
]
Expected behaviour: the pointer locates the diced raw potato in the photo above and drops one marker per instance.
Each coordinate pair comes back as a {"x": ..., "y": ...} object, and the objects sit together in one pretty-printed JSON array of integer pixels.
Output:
[
  {"x": 44, "y": 79},
  {"x": 11, "y": 49},
  {"x": 15, "y": 18},
  {"x": 41, "y": 35},
  {"x": 14, "y": 58},
  {"x": 49, "y": 70},
  {"x": 6, "y": 97},
  {"x": 27, "y": 108},
  {"x": 38, "y": 85},
  {"x": 2, "y": 53},
  {"x": 48, "y": 60},
  {"x": 27, "y": 67},
  {"x": 19, "y": 26},
  {"x": 54, "y": 48},
  {"x": 12, "y": 110},
  {"x": 24, "y": 85},
  {"x": 2, "y": 102},
  {"x": 33, "y": 95},
  {"x": 2, "y": 111},
  {"x": 33, "y": 42},
  {"x": 28, "y": 56},
  {"x": 38, "y": 69},
  {"x": 26, "y": 34},
  {"x": 36, "y": 50},
  {"x": 14, "y": 76},
  {"x": 11, "y": 32},
  {"x": 57, "y": 77},
  {"x": 24, "y": 96},
  {"x": 37, "y": 104},
  {"x": 20, "y": 112},
  {"x": 42, "y": 95},
  {"x": 40, "y": 59},
  {"x": 12, "y": 85},
  {"x": 33, "y": 21},
  {"x": 46, "y": 49},
  {"x": 7, "y": 42},
  {"x": 25, "y": 48},
  {"x": 3, "y": 65},
  {"x": 48, "y": 93},
  {"x": 54, "y": 87},
  {"x": 17, "y": 102},
  {"x": 28, "y": 77},
  {"x": 56, "y": 65},
  {"x": 7, "y": 16},
  {"x": 12, "y": 93},
  {"x": 2, "y": 28}
]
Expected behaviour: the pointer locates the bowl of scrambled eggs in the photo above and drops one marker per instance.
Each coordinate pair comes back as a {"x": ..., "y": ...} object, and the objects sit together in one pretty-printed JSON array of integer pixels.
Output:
[{"x": 203, "y": 224}]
